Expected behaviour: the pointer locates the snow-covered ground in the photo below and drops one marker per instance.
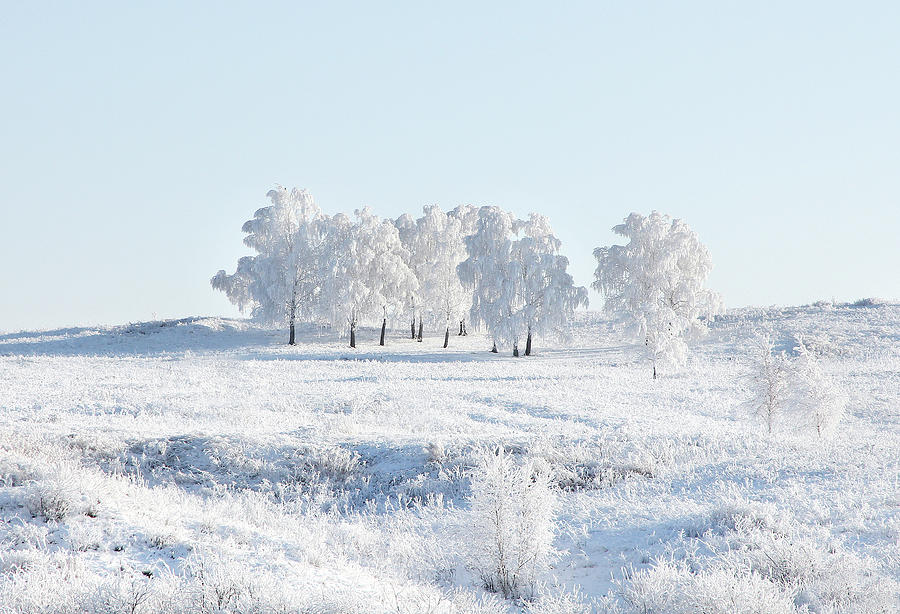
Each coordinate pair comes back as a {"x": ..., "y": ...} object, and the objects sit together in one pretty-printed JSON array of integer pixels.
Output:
[{"x": 204, "y": 465}]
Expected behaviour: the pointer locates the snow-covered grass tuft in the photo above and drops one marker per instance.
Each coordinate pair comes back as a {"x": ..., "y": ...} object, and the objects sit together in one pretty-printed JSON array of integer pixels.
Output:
[
  {"x": 672, "y": 587},
  {"x": 64, "y": 492},
  {"x": 559, "y": 600},
  {"x": 588, "y": 465}
]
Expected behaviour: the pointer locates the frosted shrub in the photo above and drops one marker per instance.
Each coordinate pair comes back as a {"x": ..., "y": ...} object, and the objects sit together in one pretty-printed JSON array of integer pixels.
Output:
[
  {"x": 797, "y": 389},
  {"x": 820, "y": 577},
  {"x": 216, "y": 585},
  {"x": 67, "y": 490},
  {"x": 51, "y": 499},
  {"x": 85, "y": 534},
  {"x": 769, "y": 381},
  {"x": 577, "y": 466},
  {"x": 824, "y": 579},
  {"x": 741, "y": 514},
  {"x": 327, "y": 464},
  {"x": 128, "y": 595},
  {"x": 335, "y": 462},
  {"x": 559, "y": 601},
  {"x": 672, "y": 588},
  {"x": 49, "y": 586},
  {"x": 819, "y": 403},
  {"x": 512, "y": 523}
]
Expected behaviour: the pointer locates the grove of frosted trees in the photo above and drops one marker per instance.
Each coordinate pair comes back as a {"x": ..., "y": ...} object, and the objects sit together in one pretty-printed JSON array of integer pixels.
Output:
[{"x": 505, "y": 275}]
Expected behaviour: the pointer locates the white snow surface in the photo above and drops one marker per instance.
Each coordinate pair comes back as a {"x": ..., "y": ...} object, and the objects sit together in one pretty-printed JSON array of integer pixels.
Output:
[{"x": 203, "y": 464}]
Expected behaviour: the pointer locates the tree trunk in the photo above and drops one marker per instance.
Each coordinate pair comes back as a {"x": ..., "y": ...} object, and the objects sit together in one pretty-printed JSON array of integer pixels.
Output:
[
  {"x": 516, "y": 349},
  {"x": 412, "y": 329},
  {"x": 447, "y": 336},
  {"x": 465, "y": 330},
  {"x": 383, "y": 327},
  {"x": 654, "y": 370},
  {"x": 353, "y": 335},
  {"x": 528, "y": 344},
  {"x": 292, "y": 312},
  {"x": 420, "y": 330},
  {"x": 460, "y": 328},
  {"x": 494, "y": 350}
]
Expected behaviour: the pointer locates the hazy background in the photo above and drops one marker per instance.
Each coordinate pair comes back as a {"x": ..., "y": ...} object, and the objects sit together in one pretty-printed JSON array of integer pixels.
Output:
[{"x": 135, "y": 140}]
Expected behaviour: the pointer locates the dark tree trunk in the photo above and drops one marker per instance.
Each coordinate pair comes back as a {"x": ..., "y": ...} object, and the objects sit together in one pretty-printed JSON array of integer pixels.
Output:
[
  {"x": 516, "y": 350},
  {"x": 383, "y": 327},
  {"x": 494, "y": 349},
  {"x": 528, "y": 344},
  {"x": 420, "y": 330},
  {"x": 460, "y": 328},
  {"x": 412, "y": 329},
  {"x": 654, "y": 370},
  {"x": 292, "y": 312},
  {"x": 353, "y": 335},
  {"x": 447, "y": 337}
]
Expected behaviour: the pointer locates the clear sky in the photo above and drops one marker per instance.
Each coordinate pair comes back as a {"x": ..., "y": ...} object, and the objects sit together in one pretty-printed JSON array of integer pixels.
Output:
[{"x": 136, "y": 138}]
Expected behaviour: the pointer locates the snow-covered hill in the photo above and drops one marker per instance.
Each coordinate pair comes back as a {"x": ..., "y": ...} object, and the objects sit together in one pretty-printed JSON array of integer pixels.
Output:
[{"x": 203, "y": 465}]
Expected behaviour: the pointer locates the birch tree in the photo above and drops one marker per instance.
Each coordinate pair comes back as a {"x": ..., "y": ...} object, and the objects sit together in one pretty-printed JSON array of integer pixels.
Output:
[
  {"x": 438, "y": 249},
  {"x": 656, "y": 282},
  {"x": 547, "y": 293},
  {"x": 492, "y": 275},
  {"x": 280, "y": 283},
  {"x": 370, "y": 278},
  {"x": 467, "y": 216},
  {"x": 408, "y": 230}
]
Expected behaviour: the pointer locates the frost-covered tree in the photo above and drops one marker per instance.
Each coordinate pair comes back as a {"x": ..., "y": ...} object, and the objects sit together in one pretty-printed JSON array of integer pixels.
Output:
[
  {"x": 656, "y": 281},
  {"x": 438, "y": 249},
  {"x": 467, "y": 216},
  {"x": 237, "y": 285},
  {"x": 408, "y": 231},
  {"x": 336, "y": 269},
  {"x": 818, "y": 402},
  {"x": 512, "y": 523},
  {"x": 281, "y": 282},
  {"x": 369, "y": 275},
  {"x": 547, "y": 294},
  {"x": 490, "y": 272},
  {"x": 769, "y": 380}
]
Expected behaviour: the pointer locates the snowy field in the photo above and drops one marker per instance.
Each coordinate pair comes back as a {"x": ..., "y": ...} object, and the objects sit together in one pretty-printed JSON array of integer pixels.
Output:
[{"x": 202, "y": 465}]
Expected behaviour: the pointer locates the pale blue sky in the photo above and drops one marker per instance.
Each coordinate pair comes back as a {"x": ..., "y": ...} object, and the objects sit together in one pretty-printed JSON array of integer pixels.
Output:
[{"x": 136, "y": 139}]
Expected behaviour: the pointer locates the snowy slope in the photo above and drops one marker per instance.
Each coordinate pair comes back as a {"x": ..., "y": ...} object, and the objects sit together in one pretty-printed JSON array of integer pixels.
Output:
[{"x": 203, "y": 464}]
